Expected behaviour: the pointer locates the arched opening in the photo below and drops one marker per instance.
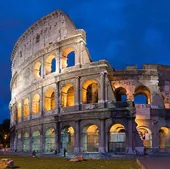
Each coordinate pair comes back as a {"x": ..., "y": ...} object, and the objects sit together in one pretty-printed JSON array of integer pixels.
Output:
[
  {"x": 67, "y": 96},
  {"x": 117, "y": 138},
  {"x": 50, "y": 140},
  {"x": 120, "y": 94},
  {"x": 50, "y": 64},
  {"x": 26, "y": 107},
  {"x": 37, "y": 70},
  {"x": 146, "y": 136},
  {"x": 19, "y": 142},
  {"x": 36, "y": 141},
  {"x": 26, "y": 142},
  {"x": 90, "y": 92},
  {"x": 164, "y": 139},
  {"x": 142, "y": 95},
  {"x": 19, "y": 111},
  {"x": 67, "y": 139},
  {"x": 49, "y": 103},
  {"x": 36, "y": 104},
  {"x": 68, "y": 58},
  {"x": 90, "y": 139}
]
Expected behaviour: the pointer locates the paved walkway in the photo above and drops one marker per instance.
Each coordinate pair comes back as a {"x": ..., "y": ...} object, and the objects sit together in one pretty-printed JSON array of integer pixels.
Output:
[{"x": 155, "y": 162}]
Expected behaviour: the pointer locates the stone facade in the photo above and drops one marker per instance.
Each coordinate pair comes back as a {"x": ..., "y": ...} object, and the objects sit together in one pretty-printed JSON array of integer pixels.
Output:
[{"x": 80, "y": 107}]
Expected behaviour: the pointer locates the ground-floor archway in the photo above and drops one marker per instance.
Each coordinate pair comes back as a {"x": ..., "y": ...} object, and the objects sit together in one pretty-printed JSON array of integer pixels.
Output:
[
  {"x": 36, "y": 141},
  {"x": 26, "y": 142},
  {"x": 117, "y": 138},
  {"x": 67, "y": 139},
  {"x": 145, "y": 135},
  {"x": 19, "y": 142},
  {"x": 50, "y": 140},
  {"x": 164, "y": 139},
  {"x": 90, "y": 139}
]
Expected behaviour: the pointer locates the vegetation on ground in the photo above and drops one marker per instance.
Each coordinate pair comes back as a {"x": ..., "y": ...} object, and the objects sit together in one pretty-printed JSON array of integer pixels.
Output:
[{"x": 63, "y": 163}]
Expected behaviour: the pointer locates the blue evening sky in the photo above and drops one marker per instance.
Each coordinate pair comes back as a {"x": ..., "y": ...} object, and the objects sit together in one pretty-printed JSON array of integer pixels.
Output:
[{"x": 125, "y": 32}]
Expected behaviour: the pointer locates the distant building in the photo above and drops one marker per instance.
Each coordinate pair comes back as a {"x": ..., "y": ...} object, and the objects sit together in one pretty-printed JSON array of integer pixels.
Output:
[{"x": 86, "y": 106}]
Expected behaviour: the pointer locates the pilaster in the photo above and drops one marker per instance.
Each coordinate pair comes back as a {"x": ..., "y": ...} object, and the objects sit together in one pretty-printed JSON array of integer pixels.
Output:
[
  {"x": 77, "y": 138},
  {"x": 102, "y": 137}
]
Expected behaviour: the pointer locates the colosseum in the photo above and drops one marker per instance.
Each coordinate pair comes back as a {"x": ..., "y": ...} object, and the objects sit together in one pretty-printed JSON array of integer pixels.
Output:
[{"x": 61, "y": 99}]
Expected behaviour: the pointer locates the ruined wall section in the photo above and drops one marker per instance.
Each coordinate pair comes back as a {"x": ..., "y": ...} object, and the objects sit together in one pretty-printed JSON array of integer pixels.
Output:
[
  {"x": 132, "y": 78},
  {"x": 164, "y": 84}
]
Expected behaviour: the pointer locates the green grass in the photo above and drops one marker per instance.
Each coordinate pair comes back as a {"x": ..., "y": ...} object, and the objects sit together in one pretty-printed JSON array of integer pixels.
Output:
[{"x": 62, "y": 163}]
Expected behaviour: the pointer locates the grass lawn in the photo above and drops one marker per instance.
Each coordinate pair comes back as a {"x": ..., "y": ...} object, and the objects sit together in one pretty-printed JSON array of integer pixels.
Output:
[{"x": 61, "y": 163}]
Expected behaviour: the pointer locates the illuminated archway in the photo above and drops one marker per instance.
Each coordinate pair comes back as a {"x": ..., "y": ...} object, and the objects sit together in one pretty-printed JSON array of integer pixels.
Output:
[
  {"x": 117, "y": 138},
  {"x": 90, "y": 139},
  {"x": 19, "y": 107},
  {"x": 37, "y": 70},
  {"x": 164, "y": 139},
  {"x": 90, "y": 91},
  {"x": 26, "y": 107},
  {"x": 120, "y": 94},
  {"x": 19, "y": 142},
  {"x": 49, "y": 102},
  {"x": 67, "y": 139},
  {"x": 65, "y": 56},
  {"x": 36, "y": 141},
  {"x": 145, "y": 135},
  {"x": 50, "y": 140},
  {"x": 142, "y": 95},
  {"x": 67, "y": 95},
  {"x": 50, "y": 64},
  {"x": 26, "y": 142},
  {"x": 36, "y": 104}
]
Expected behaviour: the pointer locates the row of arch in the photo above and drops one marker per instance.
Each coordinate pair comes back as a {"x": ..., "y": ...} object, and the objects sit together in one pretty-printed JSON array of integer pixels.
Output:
[
  {"x": 163, "y": 137},
  {"x": 141, "y": 95},
  {"x": 50, "y": 66},
  {"x": 89, "y": 95},
  {"x": 67, "y": 60},
  {"x": 90, "y": 139}
]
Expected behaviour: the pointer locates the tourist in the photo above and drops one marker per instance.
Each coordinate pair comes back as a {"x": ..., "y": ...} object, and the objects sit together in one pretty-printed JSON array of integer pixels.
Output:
[{"x": 65, "y": 151}]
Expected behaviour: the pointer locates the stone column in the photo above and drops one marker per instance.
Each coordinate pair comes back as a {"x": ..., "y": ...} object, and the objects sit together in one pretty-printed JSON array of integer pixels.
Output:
[
  {"x": 16, "y": 141},
  {"x": 58, "y": 97},
  {"x": 78, "y": 54},
  {"x": 105, "y": 87},
  {"x": 58, "y": 61},
  {"x": 77, "y": 138},
  {"x": 30, "y": 139},
  {"x": 102, "y": 84},
  {"x": 77, "y": 95},
  {"x": 22, "y": 110},
  {"x": 58, "y": 136},
  {"x": 30, "y": 106},
  {"x": 16, "y": 112},
  {"x": 130, "y": 97},
  {"x": 42, "y": 67},
  {"x": 102, "y": 136},
  {"x": 42, "y": 139},
  {"x": 42, "y": 102},
  {"x": 22, "y": 142},
  {"x": 130, "y": 137},
  {"x": 155, "y": 136}
]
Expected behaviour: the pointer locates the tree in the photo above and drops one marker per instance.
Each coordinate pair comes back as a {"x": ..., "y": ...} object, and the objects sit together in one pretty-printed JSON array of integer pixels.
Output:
[{"x": 4, "y": 132}]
